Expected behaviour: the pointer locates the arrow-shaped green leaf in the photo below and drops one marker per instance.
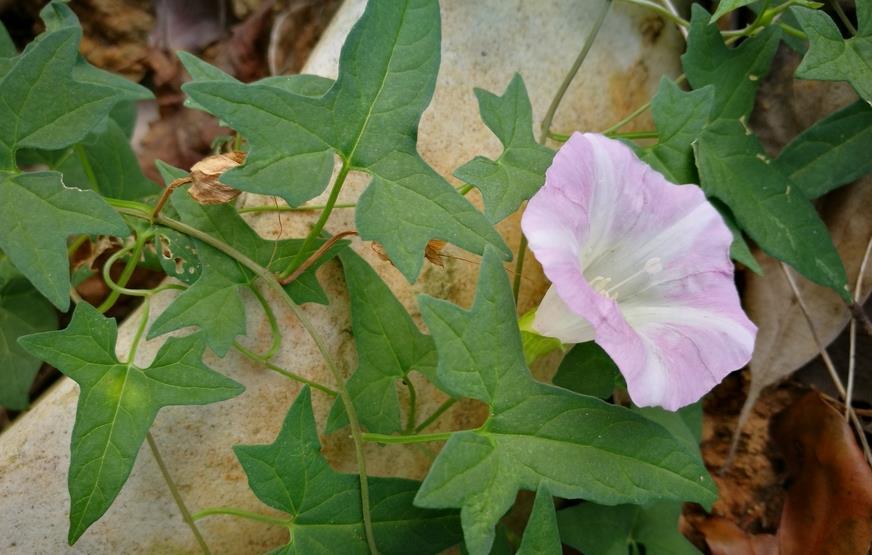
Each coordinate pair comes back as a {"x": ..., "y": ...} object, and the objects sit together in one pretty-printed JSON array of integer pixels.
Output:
[
  {"x": 37, "y": 214},
  {"x": 213, "y": 303},
  {"x": 520, "y": 170},
  {"x": 369, "y": 117},
  {"x": 832, "y": 58},
  {"x": 537, "y": 435},
  {"x": 22, "y": 311},
  {"x": 389, "y": 345},
  {"x": 118, "y": 402},
  {"x": 324, "y": 506}
]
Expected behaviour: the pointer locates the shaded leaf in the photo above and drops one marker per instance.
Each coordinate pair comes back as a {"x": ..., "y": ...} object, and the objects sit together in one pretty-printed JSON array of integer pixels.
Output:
[
  {"x": 32, "y": 113},
  {"x": 734, "y": 72},
  {"x": 600, "y": 530},
  {"x": 828, "y": 508},
  {"x": 37, "y": 214},
  {"x": 118, "y": 402},
  {"x": 324, "y": 506},
  {"x": 57, "y": 15},
  {"x": 389, "y": 345},
  {"x": 7, "y": 47},
  {"x": 520, "y": 170},
  {"x": 589, "y": 370},
  {"x": 779, "y": 218},
  {"x": 369, "y": 117},
  {"x": 832, "y": 58},
  {"x": 541, "y": 535},
  {"x": 832, "y": 152},
  {"x": 537, "y": 435},
  {"x": 22, "y": 311}
]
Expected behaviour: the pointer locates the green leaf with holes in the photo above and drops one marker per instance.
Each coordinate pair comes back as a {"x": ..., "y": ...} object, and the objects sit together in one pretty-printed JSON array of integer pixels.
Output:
[
  {"x": 323, "y": 506},
  {"x": 538, "y": 435},
  {"x": 830, "y": 57},
  {"x": 22, "y": 311},
  {"x": 213, "y": 302},
  {"x": 773, "y": 211},
  {"x": 369, "y": 118},
  {"x": 37, "y": 214},
  {"x": 520, "y": 170},
  {"x": 389, "y": 346},
  {"x": 118, "y": 402}
]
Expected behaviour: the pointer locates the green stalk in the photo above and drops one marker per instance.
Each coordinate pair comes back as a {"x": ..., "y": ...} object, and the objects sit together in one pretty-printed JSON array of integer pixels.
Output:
[
  {"x": 129, "y": 268},
  {"x": 267, "y": 208},
  {"x": 549, "y": 118},
  {"x": 413, "y": 402},
  {"x": 436, "y": 414},
  {"x": 273, "y": 324},
  {"x": 211, "y": 511},
  {"x": 177, "y": 497},
  {"x": 419, "y": 438},
  {"x": 319, "y": 225},
  {"x": 281, "y": 371}
]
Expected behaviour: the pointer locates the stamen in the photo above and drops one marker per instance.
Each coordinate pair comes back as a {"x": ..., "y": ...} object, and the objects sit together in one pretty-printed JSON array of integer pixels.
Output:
[{"x": 652, "y": 266}]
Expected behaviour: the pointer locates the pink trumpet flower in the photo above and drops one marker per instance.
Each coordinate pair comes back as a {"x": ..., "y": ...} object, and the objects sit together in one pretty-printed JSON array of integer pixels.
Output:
[{"x": 640, "y": 265}]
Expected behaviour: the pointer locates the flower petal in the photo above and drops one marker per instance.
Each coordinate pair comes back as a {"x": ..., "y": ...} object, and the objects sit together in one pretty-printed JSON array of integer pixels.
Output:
[
  {"x": 665, "y": 306},
  {"x": 555, "y": 319}
]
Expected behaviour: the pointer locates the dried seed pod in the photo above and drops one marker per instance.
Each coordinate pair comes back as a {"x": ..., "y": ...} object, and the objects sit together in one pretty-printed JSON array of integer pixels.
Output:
[{"x": 206, "y": 187}]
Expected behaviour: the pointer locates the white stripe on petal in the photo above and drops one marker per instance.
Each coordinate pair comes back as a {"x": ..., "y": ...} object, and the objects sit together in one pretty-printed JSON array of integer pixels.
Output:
[{"x": 555, "y": 319}]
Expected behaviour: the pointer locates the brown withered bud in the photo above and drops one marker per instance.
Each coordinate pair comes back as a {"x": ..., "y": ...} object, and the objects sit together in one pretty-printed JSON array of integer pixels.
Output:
[
  {"x": 205, "y": 185},
  {"x": 432, "y": 252}
]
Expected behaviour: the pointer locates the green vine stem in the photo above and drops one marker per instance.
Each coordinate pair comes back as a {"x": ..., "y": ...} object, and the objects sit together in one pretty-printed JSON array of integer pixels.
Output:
[
  {"x": 404, "y": 439},
  {"x": 273, "y": 325},
  {"x": 413, "y": 402},
  {"x": 135, "y": 254},
  {"x": 281, "y": 371},
  {"x": 135, "y": 209},
  {"x": 186, "y": 515},
  {"x": 242, "y": 513},
  {"x": 436, "y": 414},
  {"x": 313, "y": 208},
  {"x": 180, "y": 503},
  {"x": 322, "y": 221},
  {"x": 549, "y": 118}
]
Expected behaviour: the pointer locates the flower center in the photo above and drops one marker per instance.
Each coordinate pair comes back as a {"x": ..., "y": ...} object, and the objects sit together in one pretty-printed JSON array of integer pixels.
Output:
[{"x": 602, "y": 285}]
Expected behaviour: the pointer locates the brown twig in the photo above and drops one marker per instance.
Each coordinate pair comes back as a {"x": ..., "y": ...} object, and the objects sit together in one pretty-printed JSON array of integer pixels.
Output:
[
  {"x": 168, "y": 190},
  {"x": 315, "y": 256},
  {"x": 828, "y": 362}
]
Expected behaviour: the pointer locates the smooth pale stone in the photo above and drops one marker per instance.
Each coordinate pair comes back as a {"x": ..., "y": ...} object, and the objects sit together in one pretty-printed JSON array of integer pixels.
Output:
[{"x": 484, "y": 43}]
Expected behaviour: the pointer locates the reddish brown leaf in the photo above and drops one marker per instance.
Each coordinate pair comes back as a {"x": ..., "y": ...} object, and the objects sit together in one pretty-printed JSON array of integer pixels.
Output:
[
  {"x": 829, "y": 502},
  {"x": 724, "y": 537}
]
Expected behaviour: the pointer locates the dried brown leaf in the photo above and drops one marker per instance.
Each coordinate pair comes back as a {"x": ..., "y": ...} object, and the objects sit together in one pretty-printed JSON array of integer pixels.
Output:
[
  {"x": 432, "y": 252},
  {"x": 784, "y": 341},
  {"x": 206, "y": 187},
  {"x": 724, "y": 537},
  {"x": 828, "y": 508}
]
